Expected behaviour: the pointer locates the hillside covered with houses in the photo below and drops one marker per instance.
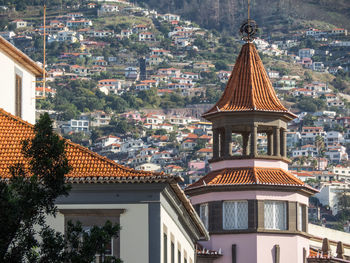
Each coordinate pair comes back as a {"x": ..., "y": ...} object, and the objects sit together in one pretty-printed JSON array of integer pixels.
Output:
[{"x": 131, "y": 84}]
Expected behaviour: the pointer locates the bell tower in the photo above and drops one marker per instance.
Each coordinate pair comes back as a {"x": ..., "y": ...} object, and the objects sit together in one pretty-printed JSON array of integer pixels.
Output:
[
  {"x": 254, "y": 209},
  {"x": 248, "y": 107}
]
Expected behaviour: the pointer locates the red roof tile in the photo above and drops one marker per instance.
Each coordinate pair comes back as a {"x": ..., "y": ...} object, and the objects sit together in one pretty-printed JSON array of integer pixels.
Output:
[
  {"x": 248, "y": 176},
  {"x": 86, "y": 165},
  {"x": 249, "y": 87}
]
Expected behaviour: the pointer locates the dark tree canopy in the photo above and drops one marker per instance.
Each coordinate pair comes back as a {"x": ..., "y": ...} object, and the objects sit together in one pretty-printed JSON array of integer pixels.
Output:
[{"x": 29, "y": 196}]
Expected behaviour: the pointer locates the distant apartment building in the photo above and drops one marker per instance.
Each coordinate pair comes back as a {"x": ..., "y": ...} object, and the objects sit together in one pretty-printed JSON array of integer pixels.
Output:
[
  {"x": 170, "y": 17},
  {"x": 309, "y": 134},
  {"x": 334, "y": 138},
  {"x": 146, "y": 36},
  {"x": 306, "y": 53},
  {"x": 337, "y": 153},
  {"x": 329, "y": 193},
  {"x": 73, "y": 125},
  {"x": 20, "y": 23},
  {"x": 106, "y": 9},
  {"x": 305, "y": 150},
  {"x": 79, "y": 23},
  {"x": 68, "y": 36}
]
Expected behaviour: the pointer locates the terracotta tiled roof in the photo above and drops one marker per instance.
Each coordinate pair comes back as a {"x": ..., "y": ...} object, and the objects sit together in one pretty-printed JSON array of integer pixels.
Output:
[
  {"x": 248, "y": 176},
  {"x": 249, "y": 87},
  {"x": 87, "y": 166}
]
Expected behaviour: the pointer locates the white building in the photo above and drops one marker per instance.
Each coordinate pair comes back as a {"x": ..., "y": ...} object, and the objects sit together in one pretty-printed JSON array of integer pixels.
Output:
[
  {"x": 155, "y": 119},
  {"x": 334, "y": 138},
  {"x": 309, "y": 134},
  {"x": 68, "y": 36},
  {"x": 76, "y": 126},
  {"x": 146, "y": 36},
  {"x": 107, "y": 140},
  {"x": 170, "y": 17},
  {"x": 151, "y": 167},
  {"x": 337, "y": 153},
  {"x": 132, "y": 145},
  {"x": 341, "y": 172},
  {"x": 108, "y": 9},
  {"x": 306, "y": 53},
  {"x": 20, "y": 23},
  {"x": 328, "y": 194},
  {"x": 306, "y": 150},
  {"x": 318, "y": 66},
  {"x": 18, "y": 74}
]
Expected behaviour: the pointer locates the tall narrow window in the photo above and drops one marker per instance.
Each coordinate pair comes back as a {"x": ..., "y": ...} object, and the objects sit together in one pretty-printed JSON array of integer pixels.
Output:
[
  {"x": 18, "y": 96},
  {"x": 165, "y": 247},
  {"x": 301, "y": 215},
  {"x": 275, "y": 215},
  {"x": 178, "y": 256},
  {"x": 235, "y": 215},
  {"x": 204, "y": 215},
  {"x": 172, "y": 252}
]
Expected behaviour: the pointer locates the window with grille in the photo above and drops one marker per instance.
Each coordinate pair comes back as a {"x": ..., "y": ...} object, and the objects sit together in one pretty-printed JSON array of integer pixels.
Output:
[
  {"x": 235, "y": 215},
  {"x": 204, "y": 214},
  {"x": 275, "y": 215},
  {"x": 301, "y": 215}
]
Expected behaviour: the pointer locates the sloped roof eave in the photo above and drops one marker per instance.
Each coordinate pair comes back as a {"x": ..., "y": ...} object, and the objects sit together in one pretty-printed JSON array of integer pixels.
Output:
[
  {"x": 211, "y": 113},
  {"x": 20, "y": 57}
]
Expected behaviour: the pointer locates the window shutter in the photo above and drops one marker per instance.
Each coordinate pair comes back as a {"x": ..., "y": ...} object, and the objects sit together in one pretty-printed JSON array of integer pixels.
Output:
[
  {"x": 252, "y": 214},
  {"x": 18, "y": 96},
  {"x": 215, "y": 216}
]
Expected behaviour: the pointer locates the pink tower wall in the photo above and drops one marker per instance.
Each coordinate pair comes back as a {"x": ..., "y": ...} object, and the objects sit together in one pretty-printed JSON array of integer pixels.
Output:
[
  {"x": 258, "y": 248},
  {"x": 245, "y": 195}
]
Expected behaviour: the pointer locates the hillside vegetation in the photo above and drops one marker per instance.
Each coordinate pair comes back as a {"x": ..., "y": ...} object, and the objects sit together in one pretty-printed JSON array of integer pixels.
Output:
[{"x": 271, "y": 14}]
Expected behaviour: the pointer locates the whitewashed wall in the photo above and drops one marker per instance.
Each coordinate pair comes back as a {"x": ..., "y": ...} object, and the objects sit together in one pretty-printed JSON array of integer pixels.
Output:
[
  {"x": 8, "y": 69},
  {"x": 181, "y": 242},
  {"x": 133, "y": 233}
]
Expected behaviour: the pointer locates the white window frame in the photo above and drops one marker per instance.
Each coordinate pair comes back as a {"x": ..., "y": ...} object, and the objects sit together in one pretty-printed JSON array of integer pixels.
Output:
[
  {"x": 235, "y": 215},
  {"x": 274, "y": 206},
  {"x": 204, "y": 214}
]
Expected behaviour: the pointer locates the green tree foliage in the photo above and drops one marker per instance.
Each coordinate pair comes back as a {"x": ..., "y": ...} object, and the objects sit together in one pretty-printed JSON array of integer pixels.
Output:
[
  {"x": 308, "y": 120},
  {"x": 200, "y": 42},
  {"x": 311, "y": 105},
  {"x": 221, "y": 65},
  {"x": 29, "y": 196},
  {"x": 343, "y": 206}
]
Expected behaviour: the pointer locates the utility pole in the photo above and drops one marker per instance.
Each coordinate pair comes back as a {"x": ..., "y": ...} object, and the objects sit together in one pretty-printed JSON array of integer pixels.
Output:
[{"x": 44, "y": 59}]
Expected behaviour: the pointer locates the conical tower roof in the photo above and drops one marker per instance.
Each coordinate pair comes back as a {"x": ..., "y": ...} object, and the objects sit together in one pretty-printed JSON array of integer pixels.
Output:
[{"x": 249, "y": 87}]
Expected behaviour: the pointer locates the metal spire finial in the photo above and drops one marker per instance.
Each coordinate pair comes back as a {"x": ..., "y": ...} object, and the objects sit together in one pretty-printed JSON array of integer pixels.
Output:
[
  {"x": 249, "y": 28},
  {"x": 248, "y": 10}
]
